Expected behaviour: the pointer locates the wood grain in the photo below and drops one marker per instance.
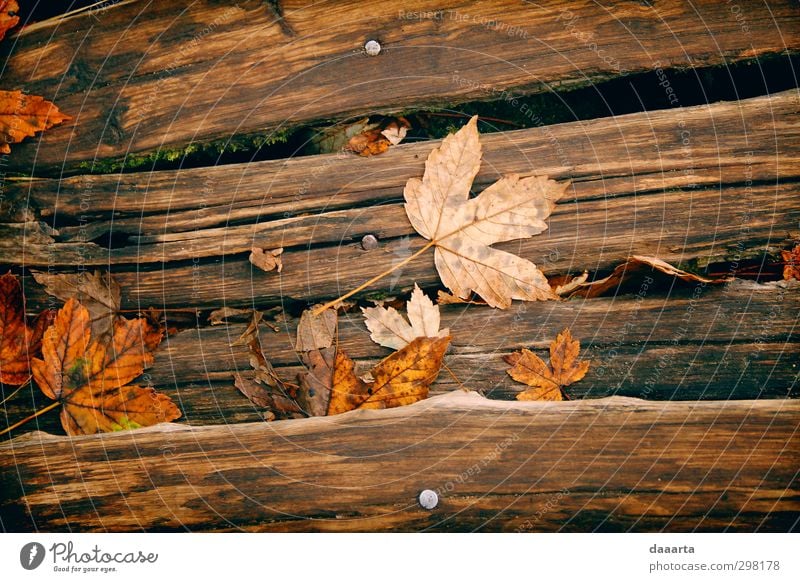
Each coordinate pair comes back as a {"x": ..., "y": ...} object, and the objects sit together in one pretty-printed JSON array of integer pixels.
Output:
[
  {"x": 606, "y": 465},
  {"x": 696, "y": 343},
  {"x": 142, "y": 76},
  {"x": 730, "y": 191}
]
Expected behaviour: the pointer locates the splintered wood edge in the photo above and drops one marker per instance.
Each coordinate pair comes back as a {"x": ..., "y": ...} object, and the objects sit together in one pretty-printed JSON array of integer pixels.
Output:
[{"x": 458, "y": 400}]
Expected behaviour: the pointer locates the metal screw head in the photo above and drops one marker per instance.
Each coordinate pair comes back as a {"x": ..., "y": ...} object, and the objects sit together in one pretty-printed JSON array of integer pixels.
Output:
[
  {"x": 428, "y": 499},
  {"x": 369, "y": 242},
  {"x": 373, "y": 48}
]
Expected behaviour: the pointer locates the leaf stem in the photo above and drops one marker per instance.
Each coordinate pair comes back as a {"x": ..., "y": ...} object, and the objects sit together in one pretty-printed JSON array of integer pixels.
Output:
[
  {"x": 15, "y": 392},
  {"x": 376, "y": 278},
  {"x": 29, "y": 418}
]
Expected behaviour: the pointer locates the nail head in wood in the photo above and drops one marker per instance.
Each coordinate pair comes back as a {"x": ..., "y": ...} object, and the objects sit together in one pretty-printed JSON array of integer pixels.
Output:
[
  {"x": 373, "y": 48},
  {"x": 369, "y": 242},
  {"x": 428, "y": 499}
]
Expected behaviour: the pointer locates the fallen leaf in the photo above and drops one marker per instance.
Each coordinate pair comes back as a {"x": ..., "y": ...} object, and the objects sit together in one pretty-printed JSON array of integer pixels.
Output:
[
  {"x": 565, "y": 284},
  {"x": 262, "y": 386},
  {"x": 19, "y": 342},
  {"x": 225, "y": 315},
  {"x": 364, "y": 137},
  {"x": 375, "y": 140},
  {"x": 316, "y": 332},
  {"x": 330, "y": 384},
  {"x": 390, "y": 329},
  {"x": 97, "y": 292},
  {"x": 445, "y": 298},
  {"x": 90, "y": 378},
  {"x": 9, "y": 18},
  {"x": 402, "y": 378},
  {"x": 636, "y": 269},
  {"x": 23, "y": 115},
  {"x": 791, "y": 267},
  {"x": 462, "y": 229},
  {"x": 266, "y": 260},
  {"x": 548, "y": 382}
]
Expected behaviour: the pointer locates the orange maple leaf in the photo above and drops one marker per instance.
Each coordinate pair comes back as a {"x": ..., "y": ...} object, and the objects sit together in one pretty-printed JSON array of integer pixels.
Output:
[
  {"x": 18, "y": 341},
  {"x": 791, "y": 266},
  {"x": 548, "y": 382},
  {"x": 90, "y": 377},
  {"x": 8, "y": 16},
  {"x": 23, "y": 115}
]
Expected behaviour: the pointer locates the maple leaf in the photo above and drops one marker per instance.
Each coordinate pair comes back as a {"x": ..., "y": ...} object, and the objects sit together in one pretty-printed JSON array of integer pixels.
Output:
[
  {"x": 18, "y": 341},
  {"x": 90, "y": 378},
  {"x": 462, "y": 229},
  {"x": 8, "y": 16},
  {"x": 331, "y": 386},
  {"x": 23, "y": 115},
  {"x": 548, "y": 382},
  {"x": 791, "y": 267},
  {"x": 390, "y": 329},
  {"x": 266, "y": 260}
]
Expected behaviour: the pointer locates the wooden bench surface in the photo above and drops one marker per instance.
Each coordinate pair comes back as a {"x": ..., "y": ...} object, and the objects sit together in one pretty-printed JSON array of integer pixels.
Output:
[{"x": 687, "y": 419}]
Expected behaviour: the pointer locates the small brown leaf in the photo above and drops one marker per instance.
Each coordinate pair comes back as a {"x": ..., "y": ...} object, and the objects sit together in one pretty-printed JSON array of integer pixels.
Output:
[
  {"x": 225, "y": 315},
  {"x": 791, "y": 267},
  {"x": 266, "y": 260},
  {"x": 97, "y": 292},
  {"x": 262, "y": 386},
  {"x": 548, "y": 382},
  {"x": 23, "y": 116},
  {"x": 315, "y": 332}
]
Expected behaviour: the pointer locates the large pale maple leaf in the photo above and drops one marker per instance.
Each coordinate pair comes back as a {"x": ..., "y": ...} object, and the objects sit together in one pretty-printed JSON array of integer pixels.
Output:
[{"x": 463, "y": 228}]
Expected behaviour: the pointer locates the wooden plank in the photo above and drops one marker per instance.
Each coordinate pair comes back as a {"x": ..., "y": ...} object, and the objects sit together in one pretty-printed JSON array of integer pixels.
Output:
[
  {"x": 622, "y": 204},
  {"x": 606, "y": 465},
  {"x": 704, "y": 146},
  {"x": 702, "y": 344},
  {"x": 140, "y": 76}
]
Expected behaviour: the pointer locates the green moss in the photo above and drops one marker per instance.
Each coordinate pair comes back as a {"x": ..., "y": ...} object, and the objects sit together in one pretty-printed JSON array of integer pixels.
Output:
[{"x": 206, "y": 153}]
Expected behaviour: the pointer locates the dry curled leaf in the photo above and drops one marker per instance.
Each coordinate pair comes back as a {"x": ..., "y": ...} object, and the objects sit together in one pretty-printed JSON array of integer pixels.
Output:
[
  {"x": 364, "y": 137},
  {"x": 23, "y": 116},
  {"x": 262, "y": 386},
  {"x": 463, "y": 228},
  {"x": 225, "y": 315},
  {"x": 548, "y": 382},
  {"x": 637, "y": 268},
  {"x": 791, "y": 267},
  {"x": 376, "y": 139},
  {"x": 9, "y": 17},
  {"x": 390, "y": 329},
  {"x": 266, "y": 260},
  {"x": 90, "y": 378},
  {"x": 19, "y": 341},
  {"x": 97, "y": 292}
]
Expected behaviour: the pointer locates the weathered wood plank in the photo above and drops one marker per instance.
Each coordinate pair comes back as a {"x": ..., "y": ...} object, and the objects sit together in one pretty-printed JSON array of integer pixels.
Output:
[
  {"x": 733, "y": 343},
  {"x": 722, "y": 143},
  {"x": 142, "y": 76},
  {"x": 605, "y": 465}
]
